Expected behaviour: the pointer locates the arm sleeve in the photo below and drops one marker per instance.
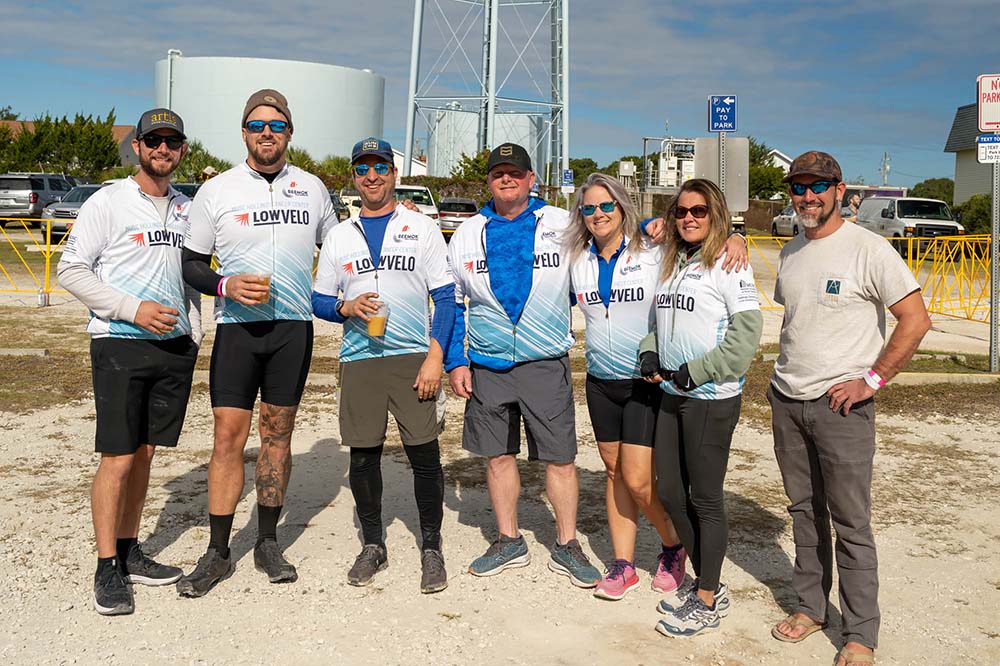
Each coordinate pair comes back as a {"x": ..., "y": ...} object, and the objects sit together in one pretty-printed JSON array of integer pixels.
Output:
[
  {"x": 644, "y": 224},
  {"x": 326, "y": 292},
  {"x": 734, "y": 354},
  {"x": 325, "y": 307},
  {"x": 455, "y": 351},
  {"x": 443, "y": 323},
  {"x": 102, "y": 300},
  {"x": 198, "y": 272}
]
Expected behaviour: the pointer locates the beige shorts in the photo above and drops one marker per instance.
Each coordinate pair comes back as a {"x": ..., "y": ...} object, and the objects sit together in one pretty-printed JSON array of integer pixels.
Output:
[{"x": 372, "y": 388}]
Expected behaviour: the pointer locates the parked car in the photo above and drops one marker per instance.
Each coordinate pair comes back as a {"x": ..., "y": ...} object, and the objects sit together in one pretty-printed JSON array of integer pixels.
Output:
[
  {"x": 350, "y": 198},
  {"x": 26, "y": 194},
  {"x": 784, "y": 223},
  {"x": 454, "y": 211},
  {"x": 61, "y": 215},
  {"x": 899, "y": 218},
  {"x": 188, "y": 189},
  {"x": 421, "y": 196},
  {"x": 343, "y": 212}
]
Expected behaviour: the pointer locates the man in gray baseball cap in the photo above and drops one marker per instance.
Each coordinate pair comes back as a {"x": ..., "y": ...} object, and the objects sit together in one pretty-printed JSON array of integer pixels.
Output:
[{"x": 155, "y": 119}]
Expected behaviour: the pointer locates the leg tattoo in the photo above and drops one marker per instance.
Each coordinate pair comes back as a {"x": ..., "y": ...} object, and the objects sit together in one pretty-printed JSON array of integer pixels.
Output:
[{"x": 274, "y": 464}]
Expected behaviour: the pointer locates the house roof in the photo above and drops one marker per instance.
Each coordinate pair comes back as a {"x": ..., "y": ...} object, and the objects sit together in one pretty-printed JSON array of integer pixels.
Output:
[
  {"x": 780, "y": 155},
  {"x": 118, "y": 132},
  {"x": 964, "y": 130}
]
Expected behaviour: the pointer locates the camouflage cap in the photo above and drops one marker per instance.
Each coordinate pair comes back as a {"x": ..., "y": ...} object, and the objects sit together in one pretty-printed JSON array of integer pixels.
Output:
[{"x": 815, "y": 163}]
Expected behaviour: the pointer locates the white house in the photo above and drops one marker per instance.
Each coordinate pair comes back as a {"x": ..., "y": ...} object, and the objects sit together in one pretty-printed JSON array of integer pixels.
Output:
[
  {"x": 971, "y": 177},
  {"x": 780, "y": 160}
]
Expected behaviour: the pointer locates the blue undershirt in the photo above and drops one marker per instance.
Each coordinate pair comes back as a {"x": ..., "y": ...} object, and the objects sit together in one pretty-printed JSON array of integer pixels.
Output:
[{"x": 605, "y": 269}]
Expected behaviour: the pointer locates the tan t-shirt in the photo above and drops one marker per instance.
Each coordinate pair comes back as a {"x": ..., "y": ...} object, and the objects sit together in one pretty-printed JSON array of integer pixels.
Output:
[{"x": 835, "y": 291}]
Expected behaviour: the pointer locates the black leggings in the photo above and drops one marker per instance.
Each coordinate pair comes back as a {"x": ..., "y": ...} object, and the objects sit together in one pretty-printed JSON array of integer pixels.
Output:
[
  {"x": 692, "y": 453},
  {"x": 428, "y": 488}
]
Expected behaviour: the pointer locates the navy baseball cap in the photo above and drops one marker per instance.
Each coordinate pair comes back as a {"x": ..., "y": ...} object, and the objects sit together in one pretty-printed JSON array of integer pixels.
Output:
[{"x": 372, "y": 146}]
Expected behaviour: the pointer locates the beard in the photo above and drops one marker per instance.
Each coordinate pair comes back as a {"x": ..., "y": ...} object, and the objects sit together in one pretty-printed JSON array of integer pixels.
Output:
[
  {"x": 267, "y": 158},
  {"x": 157, "y": 168},
  {"x": 811, "y": 221}
]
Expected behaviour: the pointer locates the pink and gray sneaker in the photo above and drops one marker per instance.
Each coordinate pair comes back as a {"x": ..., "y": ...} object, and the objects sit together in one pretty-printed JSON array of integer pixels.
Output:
[
  {"x": 669, "y": 568},
  {"x": 619, "y": 579}
]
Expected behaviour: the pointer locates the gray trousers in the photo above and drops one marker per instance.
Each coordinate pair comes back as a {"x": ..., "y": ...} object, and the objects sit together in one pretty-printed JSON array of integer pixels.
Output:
[{"x": 825, "y": 460}]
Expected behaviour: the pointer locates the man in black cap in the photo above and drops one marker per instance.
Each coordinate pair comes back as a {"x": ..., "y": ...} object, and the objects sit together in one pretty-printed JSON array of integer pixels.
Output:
[
  {"x": 508, "y": 261},
  {"x": 262, "y": 220},
  {"x": 123, "y": 261},
  {"x": 835, "y": 281}
]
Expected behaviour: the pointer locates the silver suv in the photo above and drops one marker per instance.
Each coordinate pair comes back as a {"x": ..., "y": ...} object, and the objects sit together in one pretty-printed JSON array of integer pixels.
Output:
[{"x": 26, "y": 194}]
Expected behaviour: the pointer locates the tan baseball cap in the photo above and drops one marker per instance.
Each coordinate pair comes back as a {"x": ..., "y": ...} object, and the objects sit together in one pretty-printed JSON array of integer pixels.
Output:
[{"x": 268, "y": 97}]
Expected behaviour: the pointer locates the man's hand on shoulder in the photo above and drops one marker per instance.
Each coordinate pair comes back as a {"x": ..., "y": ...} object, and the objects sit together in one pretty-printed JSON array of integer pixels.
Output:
[
  {"x": 656, "y": 229},
  {"x": 156, "y": 318},
  {"x": 409, "y": 205},
  {"x": 845, "y": 395},
  {"x": 460, "y": 379}
]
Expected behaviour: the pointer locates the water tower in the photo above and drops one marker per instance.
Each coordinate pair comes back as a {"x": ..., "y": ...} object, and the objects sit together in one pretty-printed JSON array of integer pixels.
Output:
[{"x": 487, "y": 71}]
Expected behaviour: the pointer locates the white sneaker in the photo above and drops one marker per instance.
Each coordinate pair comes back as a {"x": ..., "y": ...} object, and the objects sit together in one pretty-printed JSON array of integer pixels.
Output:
[
  {"x": 687, "y": 589},
  {"x": 691, "y": 619}
]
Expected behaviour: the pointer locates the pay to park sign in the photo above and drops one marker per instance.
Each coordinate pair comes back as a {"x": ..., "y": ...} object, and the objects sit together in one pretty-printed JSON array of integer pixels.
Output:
[{"x": 988, "y": 101}]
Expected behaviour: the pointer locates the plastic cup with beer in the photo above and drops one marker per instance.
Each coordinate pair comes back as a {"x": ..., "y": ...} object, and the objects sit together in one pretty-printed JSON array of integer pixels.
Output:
[
  {"x": 376, "y": 321},
  {"x": 264, "y": 277}
]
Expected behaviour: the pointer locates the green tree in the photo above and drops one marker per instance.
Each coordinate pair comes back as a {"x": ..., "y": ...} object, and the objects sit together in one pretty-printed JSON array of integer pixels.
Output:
[
  {"x": 764, "y": 178},
  {"x": 6, "y": 139},
  {"x": 301, "y": 158},
  {"x": 472, "y": 168},
  {"x": 196, "y": 160},
  {"x": 582, "y": 167},
  {"x": 976, "y": 214},
  {"x": 82, "y": 147},
  {"x": 8, "y": 113},
  {"x": 942, "y": 189},
  {"x": 760, "y": 153},
  {"x": 335, "y": 165}
]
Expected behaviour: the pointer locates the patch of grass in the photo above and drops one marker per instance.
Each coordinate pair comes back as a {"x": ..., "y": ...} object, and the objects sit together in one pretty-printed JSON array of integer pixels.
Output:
[{"x": 37, "y": 382}]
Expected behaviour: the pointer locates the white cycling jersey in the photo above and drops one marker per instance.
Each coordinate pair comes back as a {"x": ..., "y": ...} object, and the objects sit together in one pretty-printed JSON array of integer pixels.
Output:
[
  {"x": 414, "y": 262},
  {"x": 122, "y": 237},
  {"x": 614, "y": 332},
  {"x": 543, "y": 329},
  {"x": 257, "y": 227},
  {"x": 694, "y": 308}
]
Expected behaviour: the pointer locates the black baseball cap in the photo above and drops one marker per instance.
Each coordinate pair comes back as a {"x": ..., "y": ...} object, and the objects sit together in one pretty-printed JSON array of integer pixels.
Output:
[
  {"x": 509, "y": 153},
  {"x": 155, "y": 119}
]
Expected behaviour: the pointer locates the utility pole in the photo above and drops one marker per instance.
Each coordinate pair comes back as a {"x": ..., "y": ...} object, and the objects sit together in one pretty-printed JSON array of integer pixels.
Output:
[{"x": 884, "y": 169}]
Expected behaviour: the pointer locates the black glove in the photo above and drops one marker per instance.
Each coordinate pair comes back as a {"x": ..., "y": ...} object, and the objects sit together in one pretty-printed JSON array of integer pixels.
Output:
[
  {"x": 649, "y": 363},
  {"x": 682, "y": 379}
]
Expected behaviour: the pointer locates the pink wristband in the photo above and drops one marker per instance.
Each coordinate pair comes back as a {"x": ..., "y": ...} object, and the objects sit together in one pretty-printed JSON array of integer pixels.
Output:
[
  {"x": 874, "y": 380},
  {"x": 222, "y": 287}
]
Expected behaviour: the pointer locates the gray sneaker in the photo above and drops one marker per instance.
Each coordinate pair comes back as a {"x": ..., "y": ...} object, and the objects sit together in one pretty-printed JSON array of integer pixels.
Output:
[
  {"x": 211, "y": 568},
  {"x": 691, "y": 619},
  {"x": 144, "y": 570},
  {"x": 570, "y": 560},
  {"x": 504, "y": 553},
  {"x": 674, "y": 600},
  {"x": 267, "y": 557},
  {"x": 372, "y": 559},
  {"x": 434, "y": 577},
  {"x": 111, "y": 593}
]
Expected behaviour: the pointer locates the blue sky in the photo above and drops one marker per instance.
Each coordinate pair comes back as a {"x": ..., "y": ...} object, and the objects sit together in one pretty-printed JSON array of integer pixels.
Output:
[{"x": 854, "y": 78}]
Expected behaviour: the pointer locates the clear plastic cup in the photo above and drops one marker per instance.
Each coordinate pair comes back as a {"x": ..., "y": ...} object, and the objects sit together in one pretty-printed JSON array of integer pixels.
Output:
[{"x": 376, "y": 324}]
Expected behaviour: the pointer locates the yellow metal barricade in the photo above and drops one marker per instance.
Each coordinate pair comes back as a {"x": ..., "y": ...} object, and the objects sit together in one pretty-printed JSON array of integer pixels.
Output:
[{"x": 28, "y": 256}]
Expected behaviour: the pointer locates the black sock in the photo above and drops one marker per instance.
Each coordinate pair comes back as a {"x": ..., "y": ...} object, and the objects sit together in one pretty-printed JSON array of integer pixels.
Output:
[
  {"x": 103, "y": 562},
  {"x": 267, "y": 522},
  {"x": 123, "y": 546},
  {"x": 221, "y": 527}
]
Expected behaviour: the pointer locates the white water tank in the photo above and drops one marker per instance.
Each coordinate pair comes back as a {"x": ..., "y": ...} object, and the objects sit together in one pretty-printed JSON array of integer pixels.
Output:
[{"x": 332, "y": 107}]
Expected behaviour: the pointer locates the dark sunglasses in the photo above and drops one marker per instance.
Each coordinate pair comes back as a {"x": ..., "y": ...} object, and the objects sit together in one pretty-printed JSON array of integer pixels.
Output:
[
  {"x": 700, "y": 212},
  {"x": 257, "y": 126},
  {"x": 819, "y": 187},
  {"x": 605, "y": 206},
  {"x": 153, "y": 141},
  {"x": 362, "y": 169}
]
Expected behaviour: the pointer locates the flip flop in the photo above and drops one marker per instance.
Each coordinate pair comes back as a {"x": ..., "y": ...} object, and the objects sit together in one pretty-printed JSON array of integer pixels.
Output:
[
  {"x": 850, "y": 657},
  {"x": 798, "y": 621}
]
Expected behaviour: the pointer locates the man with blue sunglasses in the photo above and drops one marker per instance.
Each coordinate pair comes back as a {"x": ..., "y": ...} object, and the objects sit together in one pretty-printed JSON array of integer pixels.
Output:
[
  {"x": 835, "y": 281},
  {"x": 262, "y": 220}
]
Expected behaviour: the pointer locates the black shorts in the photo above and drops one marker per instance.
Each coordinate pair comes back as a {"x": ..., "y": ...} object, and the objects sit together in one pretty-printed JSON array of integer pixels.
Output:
[
  {"x": 141, "y": 390},
  {"x": 623, "y": 410},
  {"x": 268, "y": 356}
]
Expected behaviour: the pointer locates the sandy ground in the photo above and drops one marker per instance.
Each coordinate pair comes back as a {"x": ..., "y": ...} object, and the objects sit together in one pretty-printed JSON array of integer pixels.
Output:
[{"x": 936, "y": 519}]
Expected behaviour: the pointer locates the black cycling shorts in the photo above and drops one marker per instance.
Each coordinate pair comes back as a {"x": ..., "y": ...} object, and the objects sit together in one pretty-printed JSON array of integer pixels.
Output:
[
  {"x": 141, "y": 390},
  {"x": 623, "y": 410},
  {"x": 268, "y": 356}
]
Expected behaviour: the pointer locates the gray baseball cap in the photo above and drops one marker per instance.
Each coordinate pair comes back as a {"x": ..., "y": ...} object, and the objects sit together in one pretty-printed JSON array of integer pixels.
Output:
[{"x": 159, "y": 119}]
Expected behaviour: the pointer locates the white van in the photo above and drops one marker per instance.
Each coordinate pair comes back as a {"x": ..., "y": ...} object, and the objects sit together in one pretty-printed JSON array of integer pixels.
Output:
[{"x": 907, "y": 217}]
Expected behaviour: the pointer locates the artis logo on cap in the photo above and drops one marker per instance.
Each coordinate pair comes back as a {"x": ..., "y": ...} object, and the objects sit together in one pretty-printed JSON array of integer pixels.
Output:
[
  {"x": 269, "y": 98},
  {"x": 371, "y": 144},
  {"x": 506, "y": 151}
]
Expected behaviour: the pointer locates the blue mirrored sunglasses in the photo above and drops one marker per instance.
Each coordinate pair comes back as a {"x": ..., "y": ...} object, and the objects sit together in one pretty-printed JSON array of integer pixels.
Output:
[
  {"x": 257, "y": 126},
  {"x": 362, "y": 169},
  {"x": 605, "y": 206},
  {"x": 819, "y": 187}
]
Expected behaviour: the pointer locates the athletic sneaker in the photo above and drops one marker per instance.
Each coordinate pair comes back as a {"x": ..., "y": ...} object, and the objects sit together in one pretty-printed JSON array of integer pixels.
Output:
[
  {"x": 504, "y": 553},
  {"x": 372, "y": 559},
  {"x": 687, "y": 589},
  {"x": 570, "y": 560},
  {"x": 211, "y": 568},
  {"x": 669, "y": 569},
  {"x": 111, "y": 593},
  {"x": 619, "y": 579},
  {"x": 691, "y": 619},
  {"x": 267, "y": 557},
  {"x": 433, "y": 575},
  {"x": 142, "y": 569}
]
